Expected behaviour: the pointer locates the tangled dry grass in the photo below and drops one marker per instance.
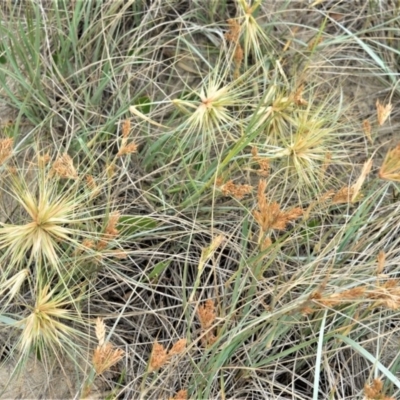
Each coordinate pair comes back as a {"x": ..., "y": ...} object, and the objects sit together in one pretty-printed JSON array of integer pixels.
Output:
[{"x": 200, "y": 199}]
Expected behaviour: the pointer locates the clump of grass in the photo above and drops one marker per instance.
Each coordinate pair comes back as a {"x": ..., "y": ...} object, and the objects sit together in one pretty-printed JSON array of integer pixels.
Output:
[{"x": 141, "y": 209}]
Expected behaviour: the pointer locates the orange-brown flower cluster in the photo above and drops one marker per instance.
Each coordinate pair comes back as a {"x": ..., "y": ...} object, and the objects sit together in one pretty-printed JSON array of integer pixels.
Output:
[
  {"x": 335, "y": 299},
  {"x": 43, "y": 159},
  {"x": 374, "y": 391},
  {"x": 126, "y": 148},
  {"x": 367, "y": 130},
  {"x": 160, "y": 355},
  {"x": 104, "y": 356},
  {"x": 64, "y": 167},
  {"x": 234, "y": 31},
  {"x": 387, "y": 295},
  {"x": 233, "y": 36},
  {"x": 383, "y": 295},
  {"x": 111, "y": 231},
  {"x": 181, "y": 395},
  {"x": 207, "y": 316},
  {"x": 298, "y": 96},
  {"x": 6, "y": 147},
  {"x": 349, "y": 194},
  {"x": 343, "y": 195},
  {"x": 269, "y": 215},
  {"x": 231, "y": 189},
  {"x": 92, "y": 185},
  {"x": 262, "y": 162}
]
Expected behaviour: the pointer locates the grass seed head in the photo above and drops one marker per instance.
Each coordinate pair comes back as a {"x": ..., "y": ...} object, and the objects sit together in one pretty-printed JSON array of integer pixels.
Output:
[
  {"x": 269, "y": 215},
  {"x": 48, "y": 327},
  {"x": 367, "y": 130},
  {"x": 374, "y": 391},
  {"x": 298, "y": 96},
  {"x": 344, "y": 195},
  {"x": 178, "y": 348},
  {"x": 111, "y": 231},
  {"x": 127, "y": 148},
  {"x": 387, "y": 295},
  {"x": 236, "y": 191},
  {"x": 105, "y": 356},
  {"x": 383, "y": 112},
  {"x": 207, "y": 314},
  {"x": 64, "y": 167},
  {"x": 100, "y": 331},
  {"x": 262, "y": 162},
  {"x": 6, "y": 149},
  {"x": 381, "y": 262},
  {"x": 126, "y": 128},
  {"x": 390, "y": 169},
  {"x": 158, "y": 358},
  {"x": 181, "y": 395},
  {"x": 234, "y": 31},
  {"x": 357, "y": 186}
]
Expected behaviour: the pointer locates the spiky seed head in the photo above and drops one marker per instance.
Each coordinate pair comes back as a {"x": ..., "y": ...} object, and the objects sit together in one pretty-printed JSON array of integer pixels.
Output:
[{"x": 48, "y": 327}]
